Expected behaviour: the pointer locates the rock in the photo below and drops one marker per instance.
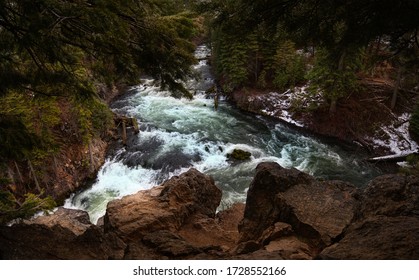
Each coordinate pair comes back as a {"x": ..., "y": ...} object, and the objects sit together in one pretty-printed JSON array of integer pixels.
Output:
[
  {"x": 378, "y": 238},
  {"x": 386, "y": 225},
  {"x": 170, "y": 244},
  {"x": 220, "y": 231},
  {"x": 163, "y": 208},
  {"x": 261, "y": 211},
  {"x": 239, "y": 155},
  {"x": 247, "y": 247},
  {"x": 390, "y": 195},
  {"x": 77, "y": 221},
  {"x": 317, "y": 211},
  {"x": 66, "y": 234},
  {"x": 288, "y": 215},
  {"x": 320, "y": 211},
  {"x": 290, "y": 248}
]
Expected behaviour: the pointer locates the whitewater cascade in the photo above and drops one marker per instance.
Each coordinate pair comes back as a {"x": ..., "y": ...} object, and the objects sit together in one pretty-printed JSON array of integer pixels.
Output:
[{"x": 177, "y": 134}]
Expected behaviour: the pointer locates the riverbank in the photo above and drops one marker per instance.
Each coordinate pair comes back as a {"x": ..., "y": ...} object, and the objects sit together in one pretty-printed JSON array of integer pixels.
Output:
[{"x": 363, "y": 119}]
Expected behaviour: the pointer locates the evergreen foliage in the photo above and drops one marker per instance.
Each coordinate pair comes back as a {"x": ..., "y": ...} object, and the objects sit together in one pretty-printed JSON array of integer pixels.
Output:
[
  {"x": 11, "y": 208},
  {"x": 334, "y": 80},
  {"x": 53, "y": 53},
  {"x": 341, "y": 30}
]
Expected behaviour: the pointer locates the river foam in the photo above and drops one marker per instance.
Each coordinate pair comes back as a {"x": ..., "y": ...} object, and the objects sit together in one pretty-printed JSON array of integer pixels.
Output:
[{"x": 177, "y": 134}]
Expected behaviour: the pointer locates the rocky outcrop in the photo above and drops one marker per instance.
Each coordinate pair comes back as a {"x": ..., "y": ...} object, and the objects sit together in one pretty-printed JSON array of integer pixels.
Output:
[
  {"x": 67, "y": 234},
  {"x": 163, "y": 208},
  {"x": 386, "y": 224},
  {"x": 285, "y": 206},
  {"x": 288, "y": 215}
]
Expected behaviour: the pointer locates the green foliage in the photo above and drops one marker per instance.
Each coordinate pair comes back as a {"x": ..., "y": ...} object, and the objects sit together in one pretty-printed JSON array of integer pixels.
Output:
[
  {"x": 11, "y": 208},
  {"x": 94, "y": 117},
  {"x": 258, "y": 58},
  {"x": 342, "y": 29},
  {"x": 289, "y": 66},
  {"x": 26, "y": 124},
  {"x": 55, "y": 51},
  {"x": 334, "y": 80}
]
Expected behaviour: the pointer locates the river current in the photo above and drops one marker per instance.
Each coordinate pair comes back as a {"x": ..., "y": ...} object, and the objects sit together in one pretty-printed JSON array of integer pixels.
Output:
[{"x": 177, "y": 134}]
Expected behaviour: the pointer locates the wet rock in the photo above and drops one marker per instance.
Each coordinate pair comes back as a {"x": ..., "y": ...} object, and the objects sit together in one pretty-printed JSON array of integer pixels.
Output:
[
  {"x": 173, "y": 161},
  {"x": 163, "y": 208},
  {"x": 239, "y": 155},
  {"x": 66, "y": 234}
]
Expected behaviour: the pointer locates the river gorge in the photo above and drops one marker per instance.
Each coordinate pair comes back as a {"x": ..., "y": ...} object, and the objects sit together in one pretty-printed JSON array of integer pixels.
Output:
[{"x": 177, "y": 134}]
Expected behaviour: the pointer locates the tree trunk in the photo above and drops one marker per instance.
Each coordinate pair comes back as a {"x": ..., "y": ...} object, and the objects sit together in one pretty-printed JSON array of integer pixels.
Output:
[
  {"x": 34, "y": 176},
  {"x": 396, "y": 88},
  {"x": 333, "y": 107},
  {"x": 135, "y": 125},
  {"x": 92, "y": 161},
  {"x": 124, "y": 132},
  {"x": 18, "y": 172},
  {"x": 341, "y": 67},
  {"x": 55, "y": 165},
  {"x": 11, "y": 177}
]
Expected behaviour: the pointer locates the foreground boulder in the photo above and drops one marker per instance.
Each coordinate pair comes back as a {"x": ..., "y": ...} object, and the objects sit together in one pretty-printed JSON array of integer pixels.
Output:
[
  {"x": 386, "y": 224},
  {"x": 285, "y": 205},
  {"x": 288, "y": 215},
  {"x": 163, "y": 208},
  {"x": 66, "y": 234}
]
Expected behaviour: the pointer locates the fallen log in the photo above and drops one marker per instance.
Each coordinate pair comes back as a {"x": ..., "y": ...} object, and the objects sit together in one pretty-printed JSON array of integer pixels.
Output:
[{"x": 392, "y": 158}]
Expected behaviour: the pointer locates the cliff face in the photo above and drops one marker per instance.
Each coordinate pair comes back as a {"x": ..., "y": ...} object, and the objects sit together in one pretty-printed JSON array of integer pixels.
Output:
[{"x": 288, "y": 215}]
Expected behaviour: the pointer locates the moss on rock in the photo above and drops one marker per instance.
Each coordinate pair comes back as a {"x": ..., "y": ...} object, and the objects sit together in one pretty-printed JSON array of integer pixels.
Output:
[{"x": 238, "y": 154}]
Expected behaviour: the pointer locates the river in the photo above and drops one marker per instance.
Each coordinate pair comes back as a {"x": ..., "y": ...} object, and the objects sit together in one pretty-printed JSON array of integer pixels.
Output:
[{"x": 177, "y": 134}]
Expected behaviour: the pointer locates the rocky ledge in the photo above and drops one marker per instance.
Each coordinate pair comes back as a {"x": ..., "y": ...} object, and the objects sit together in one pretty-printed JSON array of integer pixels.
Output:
[{"x": 288, "y": 215}]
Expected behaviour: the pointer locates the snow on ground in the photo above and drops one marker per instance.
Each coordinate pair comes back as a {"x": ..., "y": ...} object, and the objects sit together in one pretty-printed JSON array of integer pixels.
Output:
[
  {"x": 394, "y": 138},
  {"x": 280, "y": 105}
]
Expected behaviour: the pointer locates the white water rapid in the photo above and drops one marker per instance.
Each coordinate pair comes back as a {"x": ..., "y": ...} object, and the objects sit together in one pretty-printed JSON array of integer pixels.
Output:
[{"x": 177, "y": 134}]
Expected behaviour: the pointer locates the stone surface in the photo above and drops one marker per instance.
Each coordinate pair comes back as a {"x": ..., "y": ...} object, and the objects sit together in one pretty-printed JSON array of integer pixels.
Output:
[
  {"x": 378, "y": 238},
  {"x": 67, "y": 234},
  {"x": 390, "y": 195},
  {"x": 288, "y": 215},
  {"x": 163, "y": 208},
  {"x": 317, "y": 211},
  {"x": 261, "y": 211},
  {"x": 386, "y": 224}
]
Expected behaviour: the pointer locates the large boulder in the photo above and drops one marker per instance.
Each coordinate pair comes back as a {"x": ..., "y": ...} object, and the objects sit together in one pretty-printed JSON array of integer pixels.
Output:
[
  {"x": 65, "y": 234},
  {"x": 378, "y": 238},
  {"x": 386, "y": 224},
  {"x": 317, "y": 211},
  {"x": 164, "y": 207}
]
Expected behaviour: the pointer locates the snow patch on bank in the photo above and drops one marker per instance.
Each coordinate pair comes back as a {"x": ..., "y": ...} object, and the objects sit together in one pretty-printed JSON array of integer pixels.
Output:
[
  {"x": 280, "y": 105},
  {"x": 395, "y": 137}
]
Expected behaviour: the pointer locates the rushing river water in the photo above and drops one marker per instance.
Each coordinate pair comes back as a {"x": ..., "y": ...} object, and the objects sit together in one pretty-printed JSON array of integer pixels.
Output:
[{"x": 177, "y": 134}]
